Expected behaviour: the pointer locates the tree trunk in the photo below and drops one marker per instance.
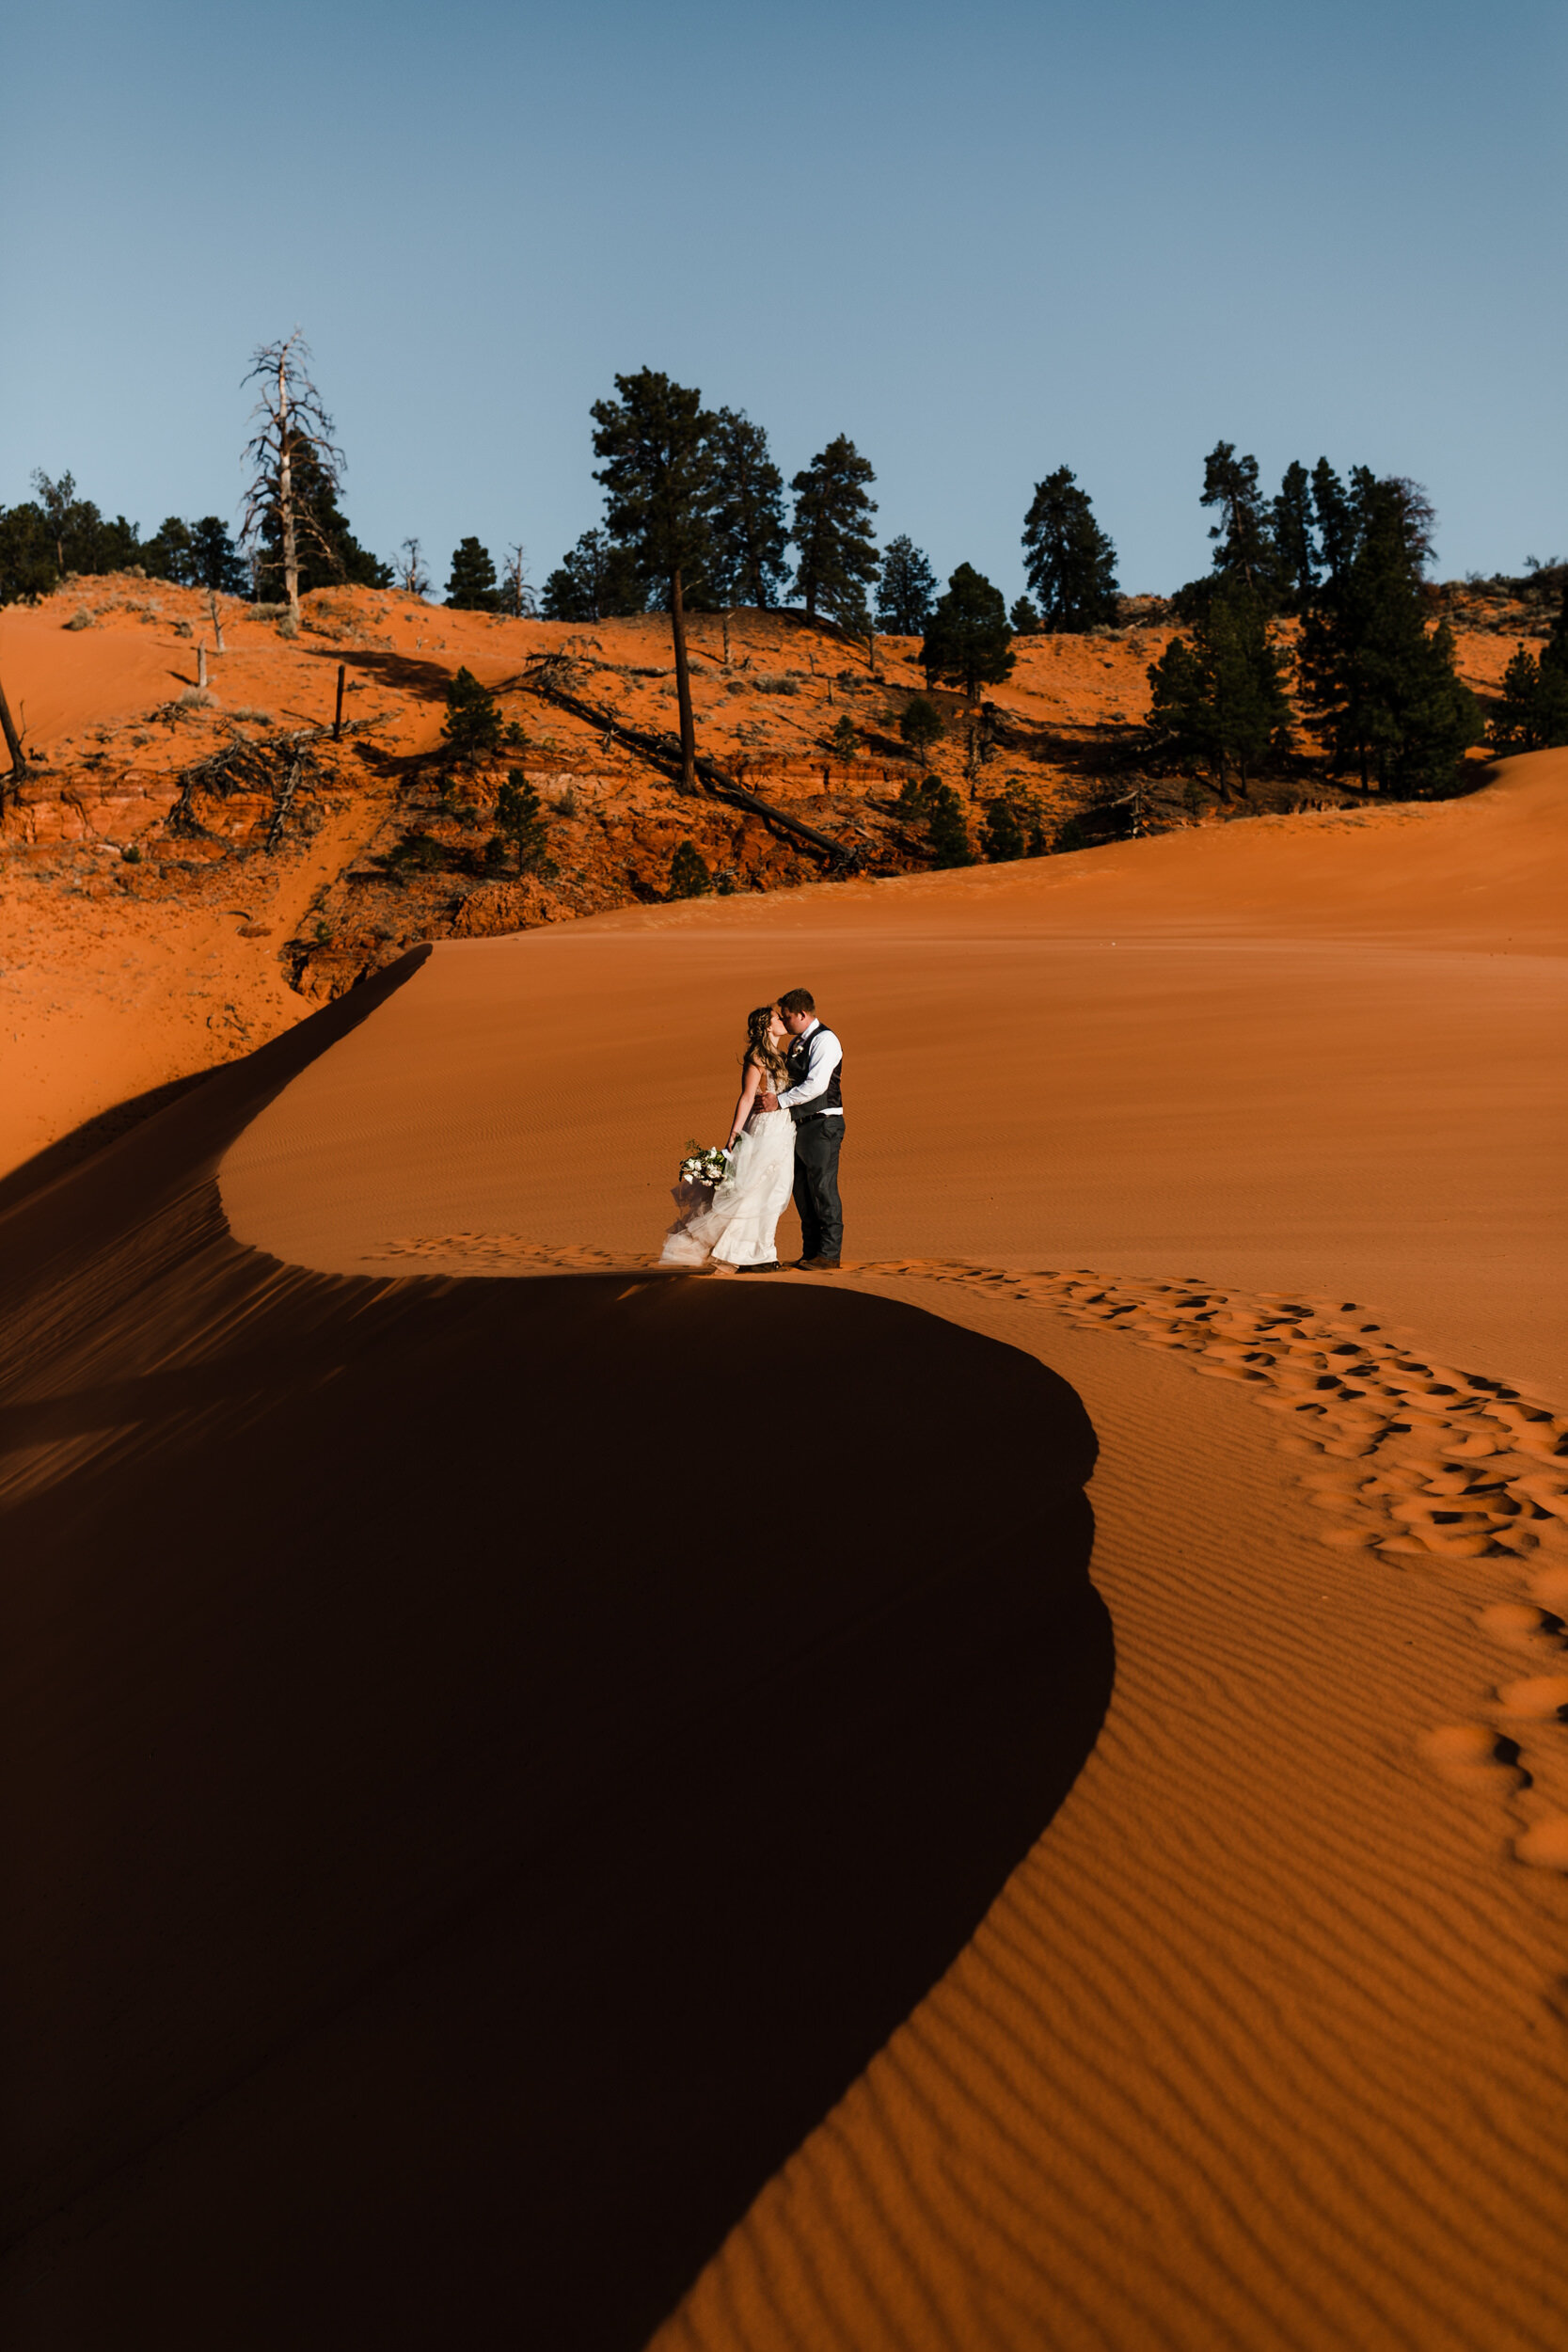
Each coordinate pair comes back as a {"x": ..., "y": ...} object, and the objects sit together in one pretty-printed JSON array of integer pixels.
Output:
[
  {"x": 683, "y": 688},
  {"x": 286, "y": 493},
  {"x": 337, "y": 715},
  {"x": 13, "y": 741},
  {"x": 201, "y": 668},
  {"x": 217, "y": 625}
]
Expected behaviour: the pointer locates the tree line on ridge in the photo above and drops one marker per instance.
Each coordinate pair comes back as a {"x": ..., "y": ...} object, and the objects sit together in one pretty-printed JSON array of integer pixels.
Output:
[{"x": 696, "y": 518}]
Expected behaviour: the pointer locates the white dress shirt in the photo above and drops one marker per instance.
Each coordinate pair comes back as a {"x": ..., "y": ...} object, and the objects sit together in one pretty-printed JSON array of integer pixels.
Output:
[{"x": 823, "y": 1055}]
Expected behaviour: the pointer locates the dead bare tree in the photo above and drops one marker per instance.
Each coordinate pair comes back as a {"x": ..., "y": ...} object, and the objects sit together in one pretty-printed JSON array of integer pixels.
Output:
[
  {"x": 294, "y": 432},
  {"x": 13, "y": 741},
  {"x": 516, "y": 596},
  {"x": 412, "y": 577}
]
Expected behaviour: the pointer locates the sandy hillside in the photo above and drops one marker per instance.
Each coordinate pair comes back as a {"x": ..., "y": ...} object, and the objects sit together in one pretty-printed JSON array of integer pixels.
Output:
[
  {"x": 181, "y": 877},
  {"x": 606, "y": 1800}
]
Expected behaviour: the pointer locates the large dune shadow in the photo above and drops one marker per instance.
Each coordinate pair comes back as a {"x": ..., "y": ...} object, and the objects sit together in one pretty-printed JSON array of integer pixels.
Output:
[{"x": 486, "y": 1764}]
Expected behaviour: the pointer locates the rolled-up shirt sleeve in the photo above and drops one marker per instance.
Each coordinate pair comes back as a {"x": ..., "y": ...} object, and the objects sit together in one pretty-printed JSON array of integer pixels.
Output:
[{"x": 824, "y": 1054}]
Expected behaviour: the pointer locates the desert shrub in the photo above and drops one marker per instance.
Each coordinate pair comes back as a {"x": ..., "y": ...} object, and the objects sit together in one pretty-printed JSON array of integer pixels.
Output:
[
  {"x": 194, "y": 698},
  {"x": 766, "y": 685},
  {"x": 417, "y": 852},
  {"x": 689, "y": 876},
  {"x": 843, "y": 742},
  {"x": 80, "y": 620}
]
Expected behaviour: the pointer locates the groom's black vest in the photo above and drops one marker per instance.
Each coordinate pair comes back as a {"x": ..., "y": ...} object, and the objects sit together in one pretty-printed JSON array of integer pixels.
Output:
[{"x": 798, "y": 1062}]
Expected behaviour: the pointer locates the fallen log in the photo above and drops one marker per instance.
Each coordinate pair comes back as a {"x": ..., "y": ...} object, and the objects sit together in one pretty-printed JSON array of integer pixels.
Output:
[{"x": 665, "y": 752}]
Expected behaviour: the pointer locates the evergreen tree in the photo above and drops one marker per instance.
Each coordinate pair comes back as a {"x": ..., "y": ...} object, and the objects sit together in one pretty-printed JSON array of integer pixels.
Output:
[
  {"x": 936, "y": 807},
  {"x": 1025, "y": 620},
  {"x": 1069, "y": 562},
  {"x": 520, "y": 820},
  {"x": 195, "y": 555},
  {"x": 1245, "y": 552},
  {"x": 969, "y": 643},
  {"x": 1002, "y": 831},
  {"x": 81, "y": 539},
  {"x": 326, "y": 553},
  {"x": 747, "y": 514},
  {"x": 843, "y": 742},
  {"x": 473, "y": 721},
  {"x": 690, "y": 875},
  {"x": 1221, "y": 696},
  {"x": 596, "y": 581},
  {"x": 27, "y": 566},
  {"x": 1335, "y": 516},
  {"x": 216, "y": 561},
  {"x": 1531, "y": 713},
  {"x": 920, "y": 725},
  {"x": 1294, "y": 547},
  {"x": 472, "y": 586},
  {"x": 657, "y": 470},
  {"x": 1387, "y": 695},
  {"x": 906, "y": 589},
  {"x": 837, "y": 553},
  {"x": 168, "y": 555}
]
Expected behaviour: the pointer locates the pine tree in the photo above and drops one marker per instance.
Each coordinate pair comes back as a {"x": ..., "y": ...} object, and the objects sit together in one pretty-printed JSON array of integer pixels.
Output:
[
  {"x": 906, "y": 589},
  {"x": 81, "y": 539},
  {"x": 596, "y": 581},
  {"x": 657, "y": 470},
  {"x": 843, "y": 742},
  {"x": 690, "y": 875},
  {"x": 837, "y": 553},
  {"x": 1002, "y": 831},
  {"x": 1386, "y": 694},
  {"x": 520, "y": 820},
  {"x": 1335, "y": 516},
  {"x": 472, "y": 586},
  {"x": 747, "y": 516},
  {"x": 1069, "y": 562},
  {"x": 1025, "y": 619},
  {"x": 1221, "y": 696},
  {"x": 920, "y": 725},
  {"x": 936, "y": 807},
  {"x": 473, "y": 721},
  {"x": 1531, "y": 712},
  {"x": 1294, "y": 546},
  {"x": 27, "y": 566},
  {"x": 216, "y": 561},
  {"x": 1245, "y": 552},
  {"x": 969, "y": 643}
]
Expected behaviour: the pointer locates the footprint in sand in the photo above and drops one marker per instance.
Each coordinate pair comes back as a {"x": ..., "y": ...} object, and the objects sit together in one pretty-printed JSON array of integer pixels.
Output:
[{"x": 1414, "y": 1462}]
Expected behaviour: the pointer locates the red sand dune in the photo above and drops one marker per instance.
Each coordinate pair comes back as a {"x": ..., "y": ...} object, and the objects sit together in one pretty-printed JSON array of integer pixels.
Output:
[{"x": 489, "y": 1770}]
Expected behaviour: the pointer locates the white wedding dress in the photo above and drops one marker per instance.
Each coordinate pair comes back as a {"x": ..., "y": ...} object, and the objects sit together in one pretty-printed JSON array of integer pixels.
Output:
[{"x": 736, "y": 1225}]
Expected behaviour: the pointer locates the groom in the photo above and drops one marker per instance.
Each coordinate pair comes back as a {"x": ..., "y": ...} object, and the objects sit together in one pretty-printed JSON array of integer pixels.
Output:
[{"x": 815, "y": 1099}]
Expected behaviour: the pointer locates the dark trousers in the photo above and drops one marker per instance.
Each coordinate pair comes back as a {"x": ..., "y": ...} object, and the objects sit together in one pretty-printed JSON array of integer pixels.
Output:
[{"x": 816, "y": 1148}]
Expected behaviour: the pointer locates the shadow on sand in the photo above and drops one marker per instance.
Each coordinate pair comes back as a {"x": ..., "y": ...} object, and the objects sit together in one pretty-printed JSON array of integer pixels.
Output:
[{"x": 486, "y": 1764}]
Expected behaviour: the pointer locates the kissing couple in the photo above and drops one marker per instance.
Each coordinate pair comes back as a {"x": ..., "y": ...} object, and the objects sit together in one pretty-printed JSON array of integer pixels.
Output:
[{"x": 784, "y": 1138}]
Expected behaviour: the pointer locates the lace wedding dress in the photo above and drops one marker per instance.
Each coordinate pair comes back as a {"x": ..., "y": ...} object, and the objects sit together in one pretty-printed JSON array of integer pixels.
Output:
[{"x": 738, "y": 1228}]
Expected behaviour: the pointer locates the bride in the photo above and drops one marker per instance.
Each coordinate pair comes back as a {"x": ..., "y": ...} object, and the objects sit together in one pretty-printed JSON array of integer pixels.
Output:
[{"x": 738, "y": 1228}]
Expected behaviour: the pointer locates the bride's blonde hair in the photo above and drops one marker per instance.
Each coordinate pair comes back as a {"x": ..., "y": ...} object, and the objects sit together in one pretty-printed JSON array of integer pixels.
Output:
[{"x": 760, "y": 1047}]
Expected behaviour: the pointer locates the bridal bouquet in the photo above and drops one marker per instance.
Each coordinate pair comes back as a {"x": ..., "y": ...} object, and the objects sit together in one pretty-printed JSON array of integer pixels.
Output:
[{"x": 702, "y": 1166}]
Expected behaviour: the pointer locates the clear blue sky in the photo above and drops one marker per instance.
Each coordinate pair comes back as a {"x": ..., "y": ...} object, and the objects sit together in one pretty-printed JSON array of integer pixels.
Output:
[{"x": 983, "y": 240}]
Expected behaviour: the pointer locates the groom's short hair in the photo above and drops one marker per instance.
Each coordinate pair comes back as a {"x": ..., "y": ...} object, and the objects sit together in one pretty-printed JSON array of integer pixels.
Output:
[{"x": 798, "y": 1000}]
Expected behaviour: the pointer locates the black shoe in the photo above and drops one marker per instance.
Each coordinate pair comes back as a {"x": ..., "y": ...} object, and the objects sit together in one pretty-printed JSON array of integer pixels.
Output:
[
  {"x": 771, "y": 1267},
  {"x": 817, "y": 1266}
]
